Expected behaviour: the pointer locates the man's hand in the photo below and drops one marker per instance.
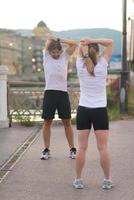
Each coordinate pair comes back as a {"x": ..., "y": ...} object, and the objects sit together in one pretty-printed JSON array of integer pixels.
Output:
[{"x": 51, "y": 37}]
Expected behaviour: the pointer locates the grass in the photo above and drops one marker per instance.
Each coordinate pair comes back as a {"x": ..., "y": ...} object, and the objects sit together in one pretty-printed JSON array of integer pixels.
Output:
[
  {"x": 25, "y": 120},
  {"x": 113, "y": 105},
  {"x": 131, "y": 100},
  {"x": 114, "y": 113}
]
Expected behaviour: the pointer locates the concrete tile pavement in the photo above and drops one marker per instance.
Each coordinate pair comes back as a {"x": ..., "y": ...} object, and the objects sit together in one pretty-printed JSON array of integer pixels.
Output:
[
  {"x": 11, "y": 139},
  {"x": 33, "y": 179}
]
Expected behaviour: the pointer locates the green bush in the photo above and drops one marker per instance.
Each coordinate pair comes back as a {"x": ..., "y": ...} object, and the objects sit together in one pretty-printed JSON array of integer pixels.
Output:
[
  {"x": 25, "y": 120},
  {"x": 73, "y": 120},
  {"x": 112, "y": 97},
  {"x": 114, "y": 113}
]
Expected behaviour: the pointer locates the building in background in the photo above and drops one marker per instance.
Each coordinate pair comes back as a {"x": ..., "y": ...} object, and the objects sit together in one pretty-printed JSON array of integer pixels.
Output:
[
  {"x": 10, "y": 50},
  {"x": 39, "y": 38},
  {"x": 22, "y": 53}
]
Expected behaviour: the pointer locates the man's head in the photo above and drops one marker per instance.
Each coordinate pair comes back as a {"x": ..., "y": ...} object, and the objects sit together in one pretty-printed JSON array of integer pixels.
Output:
[{"x": 55, "y": 49}]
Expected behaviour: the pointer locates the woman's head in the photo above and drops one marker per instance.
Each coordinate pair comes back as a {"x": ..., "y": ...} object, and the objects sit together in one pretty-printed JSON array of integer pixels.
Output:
[
  {"x": 93, "y": 52},
  {"x": 91, "y": 60},
  {"x": 55, "y": 49}
]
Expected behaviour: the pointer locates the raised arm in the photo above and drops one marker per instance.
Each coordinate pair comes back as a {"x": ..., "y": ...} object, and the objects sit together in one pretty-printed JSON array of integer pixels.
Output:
[
  {"x": 71, "y": 45},
  {"x": 107, "y": 43},
  {"x": 82, "y": 50},
  {"x": 50, "y": 38}
]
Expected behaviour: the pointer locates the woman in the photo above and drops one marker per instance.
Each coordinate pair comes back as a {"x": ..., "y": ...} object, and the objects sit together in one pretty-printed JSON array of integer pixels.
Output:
[
  {"x": 92, "y": 73},
  {"x": 56, "y": 96}
]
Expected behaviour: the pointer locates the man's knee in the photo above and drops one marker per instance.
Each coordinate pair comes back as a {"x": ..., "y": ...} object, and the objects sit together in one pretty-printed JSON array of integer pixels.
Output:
[
  {"x": 66, "y": 123},
  {"x": 47, "y": 123}
]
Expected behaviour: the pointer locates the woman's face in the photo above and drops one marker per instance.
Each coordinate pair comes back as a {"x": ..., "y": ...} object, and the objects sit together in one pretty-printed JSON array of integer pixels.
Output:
[{"x": 55, "y": 53}]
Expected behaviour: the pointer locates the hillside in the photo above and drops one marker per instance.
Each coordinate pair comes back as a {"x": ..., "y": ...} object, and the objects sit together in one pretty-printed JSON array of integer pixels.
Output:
[
  {"x": 77, "y": 34},
  {"x": 94, "y": 33}
]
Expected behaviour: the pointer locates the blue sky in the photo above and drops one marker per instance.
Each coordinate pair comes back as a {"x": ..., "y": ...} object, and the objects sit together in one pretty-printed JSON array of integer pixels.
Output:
[{"x": 63, "y": 14}]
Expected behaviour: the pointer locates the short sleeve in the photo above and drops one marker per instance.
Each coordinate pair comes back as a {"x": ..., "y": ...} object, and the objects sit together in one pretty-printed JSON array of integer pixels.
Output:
[
  {"x": 80, "y": 63},
  {"x": 46, "y": 55},
  {"x": 103, "y": 62},
  {"x": 65, "y": 55}
]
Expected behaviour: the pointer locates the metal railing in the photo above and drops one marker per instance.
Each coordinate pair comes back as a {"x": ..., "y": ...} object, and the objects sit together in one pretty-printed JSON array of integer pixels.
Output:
[{"x": 26, "y": 98}]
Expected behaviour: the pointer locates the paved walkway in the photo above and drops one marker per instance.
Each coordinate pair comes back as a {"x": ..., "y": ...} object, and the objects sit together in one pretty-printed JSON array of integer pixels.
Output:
[
  {"x": 11, "y": 139},
  {"x": 33, "y": 179}
]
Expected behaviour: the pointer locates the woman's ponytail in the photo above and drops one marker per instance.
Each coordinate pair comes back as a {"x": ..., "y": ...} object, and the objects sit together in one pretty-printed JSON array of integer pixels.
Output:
[{"x": 91, "y": 60}]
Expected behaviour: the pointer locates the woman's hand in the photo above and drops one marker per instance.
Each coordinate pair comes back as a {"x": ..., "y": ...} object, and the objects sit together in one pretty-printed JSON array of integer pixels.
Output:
[{"x": 85, "y": 41}]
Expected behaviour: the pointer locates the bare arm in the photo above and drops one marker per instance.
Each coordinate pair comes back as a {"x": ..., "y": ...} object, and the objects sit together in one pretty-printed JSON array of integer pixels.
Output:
[
  {"x": 71, "y": 45},
  {"x": 107, "y": 43},
  {"x": 82, "y": 50},
  {"x": 50, "y": 38}
]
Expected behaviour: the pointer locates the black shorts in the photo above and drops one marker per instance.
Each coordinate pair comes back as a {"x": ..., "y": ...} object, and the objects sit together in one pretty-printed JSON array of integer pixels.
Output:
[
  {"x": 86, "y": 117},
  {"x": 56, "y": 100}
]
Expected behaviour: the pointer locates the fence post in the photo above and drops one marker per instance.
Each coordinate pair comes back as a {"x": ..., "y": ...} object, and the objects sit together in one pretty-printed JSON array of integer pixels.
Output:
[{"x": 4, "y": 122}]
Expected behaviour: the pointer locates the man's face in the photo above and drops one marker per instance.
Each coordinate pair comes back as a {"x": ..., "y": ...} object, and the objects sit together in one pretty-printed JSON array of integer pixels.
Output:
[{"x": 55, "y": 53}]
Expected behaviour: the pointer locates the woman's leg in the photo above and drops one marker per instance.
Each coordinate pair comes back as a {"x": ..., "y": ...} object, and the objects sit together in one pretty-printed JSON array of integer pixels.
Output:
[
  {"x": 47, "y": 133},
  {"x": 81, "y": 152},
  {"x": 102, "y": 144}
]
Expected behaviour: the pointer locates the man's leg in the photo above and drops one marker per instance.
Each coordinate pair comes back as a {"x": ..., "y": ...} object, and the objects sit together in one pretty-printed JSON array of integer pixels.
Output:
[
  {"x": 68, "y": 132},
  {"x": 46, "y": 137},
  {"x": 47, "y": 133},
  {"x": 70, "y": 137}
]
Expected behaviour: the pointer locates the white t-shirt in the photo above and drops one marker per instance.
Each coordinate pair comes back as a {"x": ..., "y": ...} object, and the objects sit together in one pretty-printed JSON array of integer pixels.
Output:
[
  {"x": 55, "y": 71},
  {"x": 92, "y": 88}
]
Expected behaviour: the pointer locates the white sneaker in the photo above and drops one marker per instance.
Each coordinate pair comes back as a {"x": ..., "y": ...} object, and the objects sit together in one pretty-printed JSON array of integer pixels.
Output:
[
  {"x": 72, "y": 153},
  {"x": 107, "y": 184},
  {"x": 45, "y": 154},
  {"x": 78, "y": 184}
]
